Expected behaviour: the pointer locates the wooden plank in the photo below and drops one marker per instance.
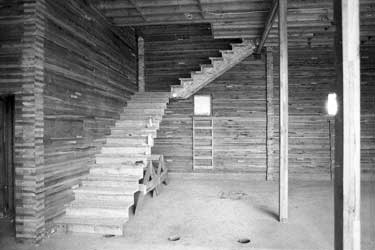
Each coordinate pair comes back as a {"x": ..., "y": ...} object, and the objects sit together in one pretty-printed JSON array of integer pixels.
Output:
[
  {"x": 270, "y": 114},
  {"x": 283, "y": 33},
  {"x": 269, "y": 23},
  {"x": 141, "y": 64},
  {"x": 348, "y": 138}
]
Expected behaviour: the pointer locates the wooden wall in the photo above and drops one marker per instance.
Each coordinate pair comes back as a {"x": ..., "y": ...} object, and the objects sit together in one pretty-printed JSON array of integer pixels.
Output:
[
  {"x": 368, "y": 109},
  {"x": 173, "y": 51},
  {"x": 21, "y": 75},
  {"x": 90, "y": 73},
  {"x": 311, "y": 76}
]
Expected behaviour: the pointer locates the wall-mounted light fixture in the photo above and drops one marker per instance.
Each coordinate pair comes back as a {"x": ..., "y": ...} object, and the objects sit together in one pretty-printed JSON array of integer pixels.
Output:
[{"x": 332, "y": 105}]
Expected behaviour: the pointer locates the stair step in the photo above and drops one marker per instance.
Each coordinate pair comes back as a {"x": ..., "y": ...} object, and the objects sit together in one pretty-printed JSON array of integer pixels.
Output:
[
  {"x": 135, "y": 117},
  {"x": 114, "y": 178},
  {"x": 85, "y": 224},
  {"x": 98, "y": 212},
  {"x": 152, "y": 94},
  {"x": 103, "y": 194},
  {"x": 146, "y": 105},
  {"x": 131, "y": 132},
  {"x": 138, "y": 140},
  {"x": 230, "y": 52},
  {"x": 239, "y": 45},
  {"x": 123, "y": 158},
  {"x": 100, "y": 204},
  {"x": 135, "y": 149},
  {"x": 143, "y": 111},
  {"x": 123, "y": 183},
  {"x": 220, "y": 59},
  {"x": 147, "y": 99},
  {"x": 140, "y": 122}
]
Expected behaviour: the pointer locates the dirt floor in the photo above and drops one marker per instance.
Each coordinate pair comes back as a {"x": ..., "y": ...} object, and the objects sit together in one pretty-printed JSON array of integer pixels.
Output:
[{"x": 214, "y": 214}]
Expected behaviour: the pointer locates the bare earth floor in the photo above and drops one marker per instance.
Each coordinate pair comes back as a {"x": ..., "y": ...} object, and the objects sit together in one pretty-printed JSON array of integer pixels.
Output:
[{"x": 214, "y": 214}]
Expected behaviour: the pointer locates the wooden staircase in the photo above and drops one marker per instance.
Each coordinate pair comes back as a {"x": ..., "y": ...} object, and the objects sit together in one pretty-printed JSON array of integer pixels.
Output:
[
  {"x": 210, "y": 72},
  {"x": 124, "y": 167}
]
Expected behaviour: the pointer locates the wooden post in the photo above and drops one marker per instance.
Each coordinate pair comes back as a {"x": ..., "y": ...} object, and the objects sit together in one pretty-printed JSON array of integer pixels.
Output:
[
  {"x": 283, "y": 36},
  {"x": 270, "y": 115},
  {"x": 347, "y": 160},
  {"x": 141, "y": 64}
]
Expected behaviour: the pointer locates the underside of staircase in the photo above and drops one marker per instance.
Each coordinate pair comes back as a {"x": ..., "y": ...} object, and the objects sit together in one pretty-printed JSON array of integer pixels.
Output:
[
  {"x": 209, "y": 72},
  {"x": 105, "y": 200}
]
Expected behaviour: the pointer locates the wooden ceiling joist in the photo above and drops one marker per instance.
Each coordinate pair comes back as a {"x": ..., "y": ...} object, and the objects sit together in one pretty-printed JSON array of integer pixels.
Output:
[
  {"x": 134, "y": 3},
  {"x": 267, "y": 28}
]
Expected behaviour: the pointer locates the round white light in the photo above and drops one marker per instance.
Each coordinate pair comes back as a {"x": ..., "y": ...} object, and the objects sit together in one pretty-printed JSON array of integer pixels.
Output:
[{"x": 332, "y": 106}]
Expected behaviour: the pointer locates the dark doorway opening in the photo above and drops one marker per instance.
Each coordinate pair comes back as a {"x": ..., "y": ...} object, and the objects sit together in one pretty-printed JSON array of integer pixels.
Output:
[{"x": 7, "y": 210}]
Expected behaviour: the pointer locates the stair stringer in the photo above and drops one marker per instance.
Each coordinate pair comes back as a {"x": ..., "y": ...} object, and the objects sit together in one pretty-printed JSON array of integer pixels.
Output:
[{"x": 200, "y": 79}]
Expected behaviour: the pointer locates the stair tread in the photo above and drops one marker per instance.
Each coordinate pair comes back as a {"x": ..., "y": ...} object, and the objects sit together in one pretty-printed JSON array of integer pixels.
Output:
[
  {"x": 114, "y": 145},
  {"x": 102, "y": 190},
  {"x": 97, "y": 204},
  {"x": 135, "y": 156},
  {"x": 217, "y": 58},
  {"x": 91, "y": 220}
]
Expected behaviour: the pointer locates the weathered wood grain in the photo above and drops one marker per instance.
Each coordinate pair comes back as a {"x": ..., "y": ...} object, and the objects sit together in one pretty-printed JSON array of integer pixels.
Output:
[{"x": 90, "y": 73}]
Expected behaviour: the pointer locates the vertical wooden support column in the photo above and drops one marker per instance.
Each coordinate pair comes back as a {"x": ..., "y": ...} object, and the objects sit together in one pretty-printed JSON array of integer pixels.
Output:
[
  {"x": 347, "y": 161},
  {"x": 283, "y": 36},
  {"x": 270, "y": 115},
  {"x": 141, "y": 64}
]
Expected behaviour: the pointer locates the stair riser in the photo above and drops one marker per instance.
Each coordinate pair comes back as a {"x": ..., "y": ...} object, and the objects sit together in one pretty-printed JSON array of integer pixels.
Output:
[
  {"x": 94, "y": 229},
  {"x": 141, "y": 117},
  {"x": 126, "y": 127},
  {"x": 98, "y": 212},
  {"x": 124, "y": 185},
  {"x": 126, "y": 150},
  {"x": 130, "y": 141},
  {"x": 117, "y": 172},
  {"x": 140, "y": 99},
  {"x": 121, "y": 132},
  {"x": 147, "y": 105},
  {"x": 138, "y": 112},
  {"x": 119, "y": 160},
  {"x": 142, "y": 122},
  {"x": 152, "y": 94},
  {"x": 104, "y": 197}
]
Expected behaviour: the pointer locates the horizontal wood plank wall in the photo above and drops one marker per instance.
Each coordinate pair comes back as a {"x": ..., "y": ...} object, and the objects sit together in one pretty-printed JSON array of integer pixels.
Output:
[
  {"x": 89, "y": 76},
  {"x": 311, "y": 72},
  {"x": 239, "y": 110},
  {"x": 368, "y": 109},
  {"x": 174, "y": 51},
  {"x": 21, "y": 75}
]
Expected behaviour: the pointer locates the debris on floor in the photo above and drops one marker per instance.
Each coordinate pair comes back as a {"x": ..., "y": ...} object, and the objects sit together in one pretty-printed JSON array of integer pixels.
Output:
[
  {"x": 232, "y": 195},
  {"x": 244, "y": 240},
  {"x": 174, "y": 238}
]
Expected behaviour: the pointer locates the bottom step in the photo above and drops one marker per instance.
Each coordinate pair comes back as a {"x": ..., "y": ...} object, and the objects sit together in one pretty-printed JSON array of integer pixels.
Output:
[{"x": 92, "y": 225}]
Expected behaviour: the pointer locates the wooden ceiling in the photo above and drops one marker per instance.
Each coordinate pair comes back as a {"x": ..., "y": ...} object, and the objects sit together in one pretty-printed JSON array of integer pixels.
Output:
[{"x": 310, "y": 22}]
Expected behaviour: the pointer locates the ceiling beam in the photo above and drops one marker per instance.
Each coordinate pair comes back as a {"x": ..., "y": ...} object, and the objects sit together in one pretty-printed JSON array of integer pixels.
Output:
[
  {"x": 201, "y": 9},
  {"x": 267, "y": 28},
  {"x": 134, "y": 3}
]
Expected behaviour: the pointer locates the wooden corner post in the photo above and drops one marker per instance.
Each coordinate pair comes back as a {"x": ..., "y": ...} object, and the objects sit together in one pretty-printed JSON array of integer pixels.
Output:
[
  {"x": 283, "y": 36},
  {"x": 270, "y": 115},
  {"x": 141, "y": 64},
  {"x": 347, "y": 155}
]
